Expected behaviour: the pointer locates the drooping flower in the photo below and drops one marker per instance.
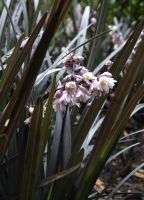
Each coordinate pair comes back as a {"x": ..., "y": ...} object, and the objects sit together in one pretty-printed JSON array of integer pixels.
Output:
[
  {"x": 71, "y": 86},
  {"x": 106, "y": 82},
  {"x": 81, "y": 70},
  {"x": 109, "y": 63},
  {"x": 80, "y": 84},
  {"x": 68, "y": 61},
  {"x": 58, "y": 93},
  {"x": 71, "y": 61},
  {"x": 88, "y": 76},
  {"x": 117, "y": 37},
  {"x": 107, "y": 74},
  {"x": 83, "y": 94},
  {"x": 95, "y": 87},
  {"x": 78, "y": 59},
  {"x": 65, "y": 96},
  {"x": 59, "y": 103}
]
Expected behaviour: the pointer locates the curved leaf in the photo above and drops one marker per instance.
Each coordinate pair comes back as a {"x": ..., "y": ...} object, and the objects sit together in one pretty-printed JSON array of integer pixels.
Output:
[
  {"x": 58, "y": 176},
  {"x": 28, "y": 183},
  {"x": 22, "y": 92}
]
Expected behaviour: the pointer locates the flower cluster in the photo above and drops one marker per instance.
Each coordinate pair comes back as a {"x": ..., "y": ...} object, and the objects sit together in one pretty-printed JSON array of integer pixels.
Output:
[
  {"x": 117, "y": 37},
  {"x": 79, "y": 85}
]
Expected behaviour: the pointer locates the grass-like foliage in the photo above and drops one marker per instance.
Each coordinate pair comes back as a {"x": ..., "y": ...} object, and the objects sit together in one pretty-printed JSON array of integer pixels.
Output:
[{"x": 61, "y": 120}]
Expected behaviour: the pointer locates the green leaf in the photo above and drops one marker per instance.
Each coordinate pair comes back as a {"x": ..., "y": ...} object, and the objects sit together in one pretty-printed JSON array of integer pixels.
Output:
[
  {"x": 28, "y": 183},
  {"x": 123, "y": 90},
  {"x": 31, "y": 13},
  {"x": 84, "y": 24},
  {"x": 126, "y": 50},
  {"x": 3, "y": 142},
  {"x": 99, "y": 26},
  {"x": 113, "y": 124},
  {"x": 43, "y": 135},
  {"x": 85, "y": 123},
  {"x": 3, "y": 19},
  {"x": 122, "y": 151},
  {"x": 22, "y": 92},
  {"x": 58, "y": 176},
  {"x": 126, "y": 113},
  {"x": 25, "y": 17},
  {"x": 17, "y": 59},
  {"x": 67, "y": 182},
  {"x": 10, "y": 18},
  {"x": 66, "y": 137},
  {"x": 47, "y": 122},
  {"x": 55, "y": 152}
]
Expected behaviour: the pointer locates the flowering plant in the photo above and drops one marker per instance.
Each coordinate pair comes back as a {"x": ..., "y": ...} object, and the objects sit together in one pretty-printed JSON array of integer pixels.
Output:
[
  {"x": 80, "y": 85},
  {"x": 57, "y": 132}
]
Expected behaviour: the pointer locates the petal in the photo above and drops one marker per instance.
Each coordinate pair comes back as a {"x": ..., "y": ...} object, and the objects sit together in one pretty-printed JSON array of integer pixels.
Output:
[
  {"x": 107, "y": 74},
  {"x": 88, "y": 76}
]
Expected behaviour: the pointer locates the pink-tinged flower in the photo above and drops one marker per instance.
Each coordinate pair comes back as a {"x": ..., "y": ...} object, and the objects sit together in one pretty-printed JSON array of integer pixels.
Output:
[
  {"x": 71, "y": 87},
  {"x": 83, "y": 94},
  {"x": 70, "y": 77},
  {"x": 59, "y": 103},
  {"x": 88, "y": 76},
  {"x": 78, "y": 59},
  {"x": 80, "y": 84},
  {"x": 62, "y": 98},
  {"x": 106, "y": 83},
  {"x": 70, "y": 93},
  {"x": 68, "y": 97},
  {"x": 116, "y": 35},
  {"x": 109, "y": 63},
  {"x": 71, "y": 61},
  {"x": 81, "y": 70},
  {"x": 58, "y": 93},
  {"x": 78, "y": 78},
  {"x": 107, "y": 74},
  {"x": 95, "y": 87},
  {"x": 67, "y": 78},
  {"x": 68, "y": 60},
  {"x": 69, "y": 69}
]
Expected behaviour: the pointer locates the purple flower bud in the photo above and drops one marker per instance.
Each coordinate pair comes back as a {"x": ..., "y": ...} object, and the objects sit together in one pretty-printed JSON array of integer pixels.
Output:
[
  {"x": 107, "y": 74},
  {"x": 67, "y": 78},
  {"x": 58, "y": 93},
  {"x": 81, "y": 70},
  {"x": 116, "y": 35},
  {"x": 68, "y": 60},
  {"x": 109, "y": 63},
  {"x": 78, "y": 59}
]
